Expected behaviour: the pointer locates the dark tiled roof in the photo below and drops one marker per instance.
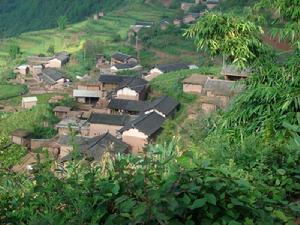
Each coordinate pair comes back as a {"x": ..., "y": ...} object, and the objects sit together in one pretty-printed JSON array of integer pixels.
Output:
[
  {"x": 149, "y": 124},
  {"x": 164, "y": 104},
  {"x": 121, "y": 56},
  {"x": 111, "y": 79},
  {"x": 172, "y": 67},
  {"x": 93, "y": 148},
  {"x": 99, "y": 118},
  {"x": 128, "y": 105},
  {"x": 134, "y": 83},
  {"x": 50, "y": 75}
]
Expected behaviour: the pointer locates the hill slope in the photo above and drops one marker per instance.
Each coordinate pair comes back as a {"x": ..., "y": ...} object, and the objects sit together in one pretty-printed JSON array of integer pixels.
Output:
[{"x": 17, "y": 16}]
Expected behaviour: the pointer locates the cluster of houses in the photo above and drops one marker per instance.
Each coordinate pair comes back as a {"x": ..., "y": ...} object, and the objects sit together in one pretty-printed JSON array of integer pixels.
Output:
[
  {"x": 118, "y": 118},
  {"x": 190, "y": 18},
  {"x": 215, "y": 93},
  {"x": 42, "y": 73}
]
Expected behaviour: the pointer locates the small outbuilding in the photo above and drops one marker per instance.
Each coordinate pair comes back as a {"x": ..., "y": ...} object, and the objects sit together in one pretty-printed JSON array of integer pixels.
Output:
[
  {"x": 223, "y": 89},
  {"x": 233, "y": 73},
  {"x": 21, "y": 137},
  {"x": 29, "y": 102},
  {"x": 61, "y": 111},
  {"x": 210, "y": 104},
  {"x": 194, "y": 84}
]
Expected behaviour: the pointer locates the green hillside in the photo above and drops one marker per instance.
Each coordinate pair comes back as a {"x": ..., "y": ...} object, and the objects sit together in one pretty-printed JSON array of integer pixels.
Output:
[{"x": 17, "y": 16}]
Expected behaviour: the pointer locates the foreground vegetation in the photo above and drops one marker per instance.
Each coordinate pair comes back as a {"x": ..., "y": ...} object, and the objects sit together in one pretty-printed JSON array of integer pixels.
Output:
[{"x": 241, "y": 166}]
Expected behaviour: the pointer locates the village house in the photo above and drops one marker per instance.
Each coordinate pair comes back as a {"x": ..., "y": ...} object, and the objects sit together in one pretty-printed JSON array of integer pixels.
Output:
[
  {"x": 222, "y": 89},
  {"x": 29, "y": 102},
  {"x": 102, "y": 123},
  {"x": 91, "y": 149},
  {"x": 23, "y": 70},
  {"x": 212, "y": 3},
  {"x": 21, "y": 137},
  {"x": 61, "y": 111},
  {"x": 68, "y": 125},
  {"x": 139, "y": 132},
  {"x": 165, "y": 106},
  {"x": 190, "y": 18},
  {"x": 52, "y": 78},
  {"x": 194, "y": 83},
  {"x": 132, "y": 89},
  {"x": 124, "y": 106},
  {"x": 111, "y": 82},
  {"x": 128, "y": 66},
  {"x": 166, "y": 68},
  {"x": 233, "y": 73},
  {"x": 121, "y": 58},
  {"x": 59, "y": 60}
]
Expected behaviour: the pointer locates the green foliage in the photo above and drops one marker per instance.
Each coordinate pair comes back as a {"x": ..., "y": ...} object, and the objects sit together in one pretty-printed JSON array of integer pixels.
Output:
[
  {"x": 14, "y": 51},
  {"x": 9, "y": 154},
  {"x": 233, "y": 37},
  {"x": 17, "y": 16},
  {"x": 62, "y": 22},
  {"x": 158, "y": 188},
  {"x": 9, "y": 91},
  {"x": 285, "y": 16},
  {"x": 51, "y": 50}
]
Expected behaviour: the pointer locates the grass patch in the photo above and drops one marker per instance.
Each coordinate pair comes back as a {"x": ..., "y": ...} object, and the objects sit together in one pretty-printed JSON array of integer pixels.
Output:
[{"x": 9, "y": 91}]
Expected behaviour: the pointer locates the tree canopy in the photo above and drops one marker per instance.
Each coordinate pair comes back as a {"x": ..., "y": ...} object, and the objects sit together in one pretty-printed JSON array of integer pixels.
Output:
[{"x": 233, "y": 37}]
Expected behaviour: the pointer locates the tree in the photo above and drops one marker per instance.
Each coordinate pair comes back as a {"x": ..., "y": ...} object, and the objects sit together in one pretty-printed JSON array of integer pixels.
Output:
[
  {"x": 286, "y": 17},
  {"x": 14, "y": 51},
  {"x": 51, "y": 49},
  {"x": 62, "y": 22},
  {"x": 220, "y": 34}
]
